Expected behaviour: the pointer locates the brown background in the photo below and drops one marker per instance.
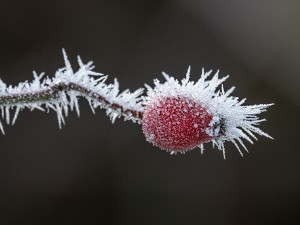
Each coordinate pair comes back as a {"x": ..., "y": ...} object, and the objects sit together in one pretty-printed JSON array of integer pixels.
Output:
[{"x": 93, "y": 172}]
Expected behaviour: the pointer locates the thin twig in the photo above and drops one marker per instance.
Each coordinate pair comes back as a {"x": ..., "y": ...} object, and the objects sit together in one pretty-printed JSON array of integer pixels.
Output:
[{"x": 52, "y": 92}]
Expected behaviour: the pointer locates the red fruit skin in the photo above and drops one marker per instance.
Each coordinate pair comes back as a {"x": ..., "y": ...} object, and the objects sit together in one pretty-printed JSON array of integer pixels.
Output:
[{"x": 176, "y": 123}]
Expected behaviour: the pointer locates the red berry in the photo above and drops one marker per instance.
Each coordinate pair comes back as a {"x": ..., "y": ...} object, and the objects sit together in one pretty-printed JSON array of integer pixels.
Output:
[{"x": 176, "y": 124}]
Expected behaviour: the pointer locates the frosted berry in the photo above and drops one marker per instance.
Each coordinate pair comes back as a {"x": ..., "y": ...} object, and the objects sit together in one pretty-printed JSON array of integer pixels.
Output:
[
  {"x": 176, "y": 116},
  {"x": 176, "y": 124}
]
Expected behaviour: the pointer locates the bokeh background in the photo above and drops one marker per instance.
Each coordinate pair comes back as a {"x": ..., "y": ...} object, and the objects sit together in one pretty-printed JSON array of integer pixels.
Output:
[{"x": 93, "y": 172}]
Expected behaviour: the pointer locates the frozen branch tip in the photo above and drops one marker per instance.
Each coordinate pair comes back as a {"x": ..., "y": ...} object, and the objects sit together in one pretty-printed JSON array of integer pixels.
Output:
[{"x": 176, "y": 116}]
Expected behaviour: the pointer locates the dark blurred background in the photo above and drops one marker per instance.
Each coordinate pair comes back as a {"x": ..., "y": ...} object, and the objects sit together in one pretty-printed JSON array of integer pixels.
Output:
[{"x": 93, "y": 172}]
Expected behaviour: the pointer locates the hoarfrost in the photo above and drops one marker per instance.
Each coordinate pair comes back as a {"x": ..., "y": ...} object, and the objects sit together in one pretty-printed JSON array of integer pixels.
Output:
[
  {"x": 61, "y": 94},
  {"x": 232, "y": 121}
]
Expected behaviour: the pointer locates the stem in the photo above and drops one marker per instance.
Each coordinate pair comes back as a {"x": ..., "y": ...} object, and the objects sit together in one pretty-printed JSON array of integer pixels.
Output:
[{"x": 52, "y": 92}]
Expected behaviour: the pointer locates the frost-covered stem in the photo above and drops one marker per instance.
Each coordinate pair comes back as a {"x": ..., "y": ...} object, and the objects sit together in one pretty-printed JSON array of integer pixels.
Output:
[
  {"x": 61, "y": 94},
  {"x": 52, "y": 93}
]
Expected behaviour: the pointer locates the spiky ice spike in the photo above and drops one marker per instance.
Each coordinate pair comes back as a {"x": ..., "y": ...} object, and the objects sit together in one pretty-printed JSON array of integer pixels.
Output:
[
  {"x": 61, "y": 93},
  {"x": 179, "y": 116}
]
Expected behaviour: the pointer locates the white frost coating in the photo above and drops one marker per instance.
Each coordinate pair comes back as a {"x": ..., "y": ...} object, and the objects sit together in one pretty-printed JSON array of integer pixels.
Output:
[
  {"x": 239, "y": 121},
  {"x": 68, "y": 99}
]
